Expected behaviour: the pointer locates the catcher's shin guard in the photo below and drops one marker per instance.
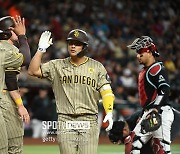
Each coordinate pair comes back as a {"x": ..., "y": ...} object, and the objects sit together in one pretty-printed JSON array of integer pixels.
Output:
[
  {"x": 137, "y": 145},
  {"x": 166, "y": 146},
  {"x": 161, "y": 147},
  {"x": 135, "y": 152},
  {"x": 157, "y": 147}
]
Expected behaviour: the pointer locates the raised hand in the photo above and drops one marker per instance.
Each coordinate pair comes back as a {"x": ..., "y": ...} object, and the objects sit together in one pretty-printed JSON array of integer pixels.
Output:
[
  {"x": 19, "y": 27},
  {"x": 45, "y": 41}
]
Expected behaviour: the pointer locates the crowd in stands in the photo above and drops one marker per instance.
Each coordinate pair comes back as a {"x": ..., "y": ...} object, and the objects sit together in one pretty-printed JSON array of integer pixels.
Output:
[{"x": 111, "y": 26}]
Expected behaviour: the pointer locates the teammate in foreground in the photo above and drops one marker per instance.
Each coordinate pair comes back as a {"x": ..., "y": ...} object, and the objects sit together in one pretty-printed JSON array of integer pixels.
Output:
[
  {"x": 153, "y": 86},
  {"x": 11, "y": 105},
  {"x": 77, "y": 82}
]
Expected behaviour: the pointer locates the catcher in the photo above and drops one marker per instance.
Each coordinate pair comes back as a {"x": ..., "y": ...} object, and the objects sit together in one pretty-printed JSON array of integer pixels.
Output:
[
  {"x": 153, "y": 87},
  {"x": 122, "y": 132}
]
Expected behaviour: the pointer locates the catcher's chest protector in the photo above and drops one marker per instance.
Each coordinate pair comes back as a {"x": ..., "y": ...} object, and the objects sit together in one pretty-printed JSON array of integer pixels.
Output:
[
  {"x": 141, "y": 87},
  {"x": 147, "y": 90}
]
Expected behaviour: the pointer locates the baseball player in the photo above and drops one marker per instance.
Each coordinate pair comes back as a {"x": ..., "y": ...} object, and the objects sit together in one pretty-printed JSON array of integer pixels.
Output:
[
  {"x": 78, "y": 82},
  {"x": 122, "y": 132},
  {"x": 153, "y": 87},
  {"x": 11, "y": 105}
]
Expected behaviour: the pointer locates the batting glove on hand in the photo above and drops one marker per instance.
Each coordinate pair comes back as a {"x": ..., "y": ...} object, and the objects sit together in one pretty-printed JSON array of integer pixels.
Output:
[
  {"x": 45, "y": 41},
  {"x": 108, "y": 118}
]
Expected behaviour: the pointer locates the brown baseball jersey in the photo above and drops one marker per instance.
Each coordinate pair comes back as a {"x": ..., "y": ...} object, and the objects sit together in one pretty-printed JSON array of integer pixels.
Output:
[
  {"x": 10, "y": 59},
  {"x": 76, "y": 88},
  {"x": 11, "y": 127}
]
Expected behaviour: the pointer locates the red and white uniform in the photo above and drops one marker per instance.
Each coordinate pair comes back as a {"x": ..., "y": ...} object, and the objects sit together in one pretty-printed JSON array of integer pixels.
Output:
[{"x": 153, "y": 86}]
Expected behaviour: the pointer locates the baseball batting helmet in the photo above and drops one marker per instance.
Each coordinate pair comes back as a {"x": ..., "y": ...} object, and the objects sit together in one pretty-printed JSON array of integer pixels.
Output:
[
  {"x": 5, "y": 24},
  {"x": 116, "y": 133},
  {"x": 144, "y": 44},
  {"x": 81, "y": 36}
]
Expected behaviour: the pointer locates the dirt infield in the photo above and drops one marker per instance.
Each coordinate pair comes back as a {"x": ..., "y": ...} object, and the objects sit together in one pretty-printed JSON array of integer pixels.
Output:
[{"x": 52, "y": 140}]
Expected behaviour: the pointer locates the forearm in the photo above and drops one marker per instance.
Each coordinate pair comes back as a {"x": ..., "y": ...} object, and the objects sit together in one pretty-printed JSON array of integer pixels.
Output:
[
  {"x": 108, "y": 103},
  {"x": 34, "y": 67},
  {"x": 12, "y": 87},
  {"x": 107, "y": 98},
  {"x": 24, "y": 49},
  {"x": 11, "y": 80},
  {"x": 16, "y": 97}
]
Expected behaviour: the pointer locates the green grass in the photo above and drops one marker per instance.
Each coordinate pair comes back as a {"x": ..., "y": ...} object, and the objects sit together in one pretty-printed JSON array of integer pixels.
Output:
[{"x": 102, "y": 149}]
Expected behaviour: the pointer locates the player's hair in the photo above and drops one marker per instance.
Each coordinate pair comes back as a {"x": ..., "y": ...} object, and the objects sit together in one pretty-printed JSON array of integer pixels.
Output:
[
  {"x": 116, "y": 133},
  {"x": 5, "y": 24}
]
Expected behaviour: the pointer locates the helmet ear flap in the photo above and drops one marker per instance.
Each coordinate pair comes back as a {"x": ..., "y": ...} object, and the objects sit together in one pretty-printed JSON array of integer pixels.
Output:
[
  {"x": 5, "y": 35},
  {"x": 5, "y": 24},
  {"x": 85, "y": 47},
  {"x": 83, "y": 51}
]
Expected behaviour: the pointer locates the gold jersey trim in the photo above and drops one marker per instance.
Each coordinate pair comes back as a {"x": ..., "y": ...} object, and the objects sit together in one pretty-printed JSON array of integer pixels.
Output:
[
  {"x": 40, "y": 71},
  {"x": 79, "y": 64}
]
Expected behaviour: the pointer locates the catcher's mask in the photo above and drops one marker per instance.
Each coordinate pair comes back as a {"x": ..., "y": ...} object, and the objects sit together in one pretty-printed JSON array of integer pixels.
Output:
[
  {"x": 81, "y": 36},
  {"x": 5, "y": 24},
  {"x": 144, "y": 44},
  {"x": 116, "y": 133}
]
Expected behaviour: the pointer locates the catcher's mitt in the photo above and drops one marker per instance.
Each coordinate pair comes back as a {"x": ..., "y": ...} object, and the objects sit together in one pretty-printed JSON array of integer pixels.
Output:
[
  {"x": 116, "y": 133},
  {"x": 151, "y": 123}
]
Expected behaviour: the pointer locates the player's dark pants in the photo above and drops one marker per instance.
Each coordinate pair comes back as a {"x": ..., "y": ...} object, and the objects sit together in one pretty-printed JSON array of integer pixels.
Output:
[{"x": 84, "y": 141}]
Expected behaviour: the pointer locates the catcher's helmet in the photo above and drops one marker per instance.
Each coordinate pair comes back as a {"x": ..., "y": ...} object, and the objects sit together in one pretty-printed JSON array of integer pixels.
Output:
[
  {"x": 81, "y": 36},
  {"x": 5, "y": 24},
  {"x": 144, "y": 44}
]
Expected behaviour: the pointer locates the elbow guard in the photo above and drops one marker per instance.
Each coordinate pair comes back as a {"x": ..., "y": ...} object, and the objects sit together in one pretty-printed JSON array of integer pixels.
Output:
[{"x": 11, "y": 80}]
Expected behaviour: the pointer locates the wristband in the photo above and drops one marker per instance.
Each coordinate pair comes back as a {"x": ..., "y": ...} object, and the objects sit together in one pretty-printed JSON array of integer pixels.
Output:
[
  {"x": 41, "y": 49},
  {"x": 18, "y": 101},
  {"x": 22, "y": 36}
]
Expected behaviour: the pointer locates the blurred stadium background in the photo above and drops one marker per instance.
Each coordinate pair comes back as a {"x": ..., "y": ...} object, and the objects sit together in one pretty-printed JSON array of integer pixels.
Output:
[{"x": 111, "y": 26}]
